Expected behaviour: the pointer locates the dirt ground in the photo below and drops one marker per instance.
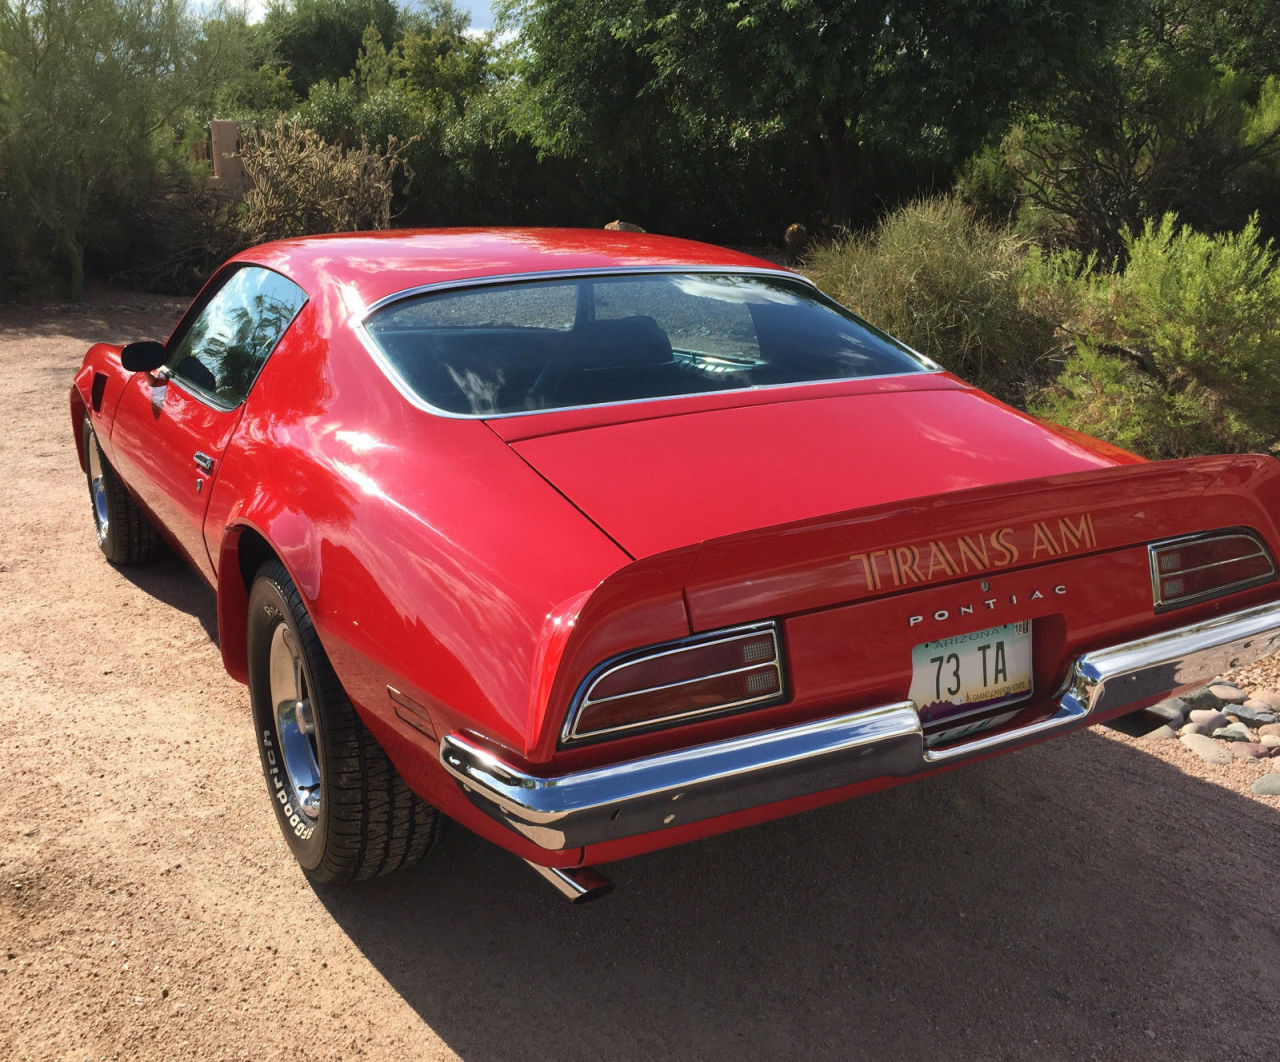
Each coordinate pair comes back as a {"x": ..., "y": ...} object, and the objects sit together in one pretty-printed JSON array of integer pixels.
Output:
[{"x": 1092, "y": 898}]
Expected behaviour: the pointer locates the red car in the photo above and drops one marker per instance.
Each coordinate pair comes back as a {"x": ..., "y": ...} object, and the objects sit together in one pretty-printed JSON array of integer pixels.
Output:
[{"x": 600, "y": 542}]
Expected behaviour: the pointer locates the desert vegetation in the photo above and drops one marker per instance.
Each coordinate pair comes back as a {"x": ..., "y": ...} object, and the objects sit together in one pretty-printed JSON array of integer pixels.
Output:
[{"x": 1071, "y": 204}]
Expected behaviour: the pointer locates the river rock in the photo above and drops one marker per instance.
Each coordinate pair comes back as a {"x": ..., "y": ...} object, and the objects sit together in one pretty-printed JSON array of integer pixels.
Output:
[
  {"x": 1247, "y": 750},
  {"x": 1160, "y": 733},
  {"x": 1228, "y": 693},
  {"x": 1268, "y": 697},
  {"x": 1202, "y": 700},
  {"x": 1270, "y": 728},
  {"x": 1172, "y": 711},
  {"x": 1207, "y": 720},
  {"x": 1255, "y": 713},
  {"x": 1267, "y": 785},
  {"x": 1206, "y": 748},
  {"x": 1232, "y": 732},
  {"x": 1270, "y": 741}
]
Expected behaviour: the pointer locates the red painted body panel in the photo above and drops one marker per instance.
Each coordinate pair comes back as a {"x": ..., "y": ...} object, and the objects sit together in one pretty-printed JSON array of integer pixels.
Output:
[
  {"x": 733, "y": 468},
  {"x": 484, "y": 568},
  {"x": 159, "y": 428}
]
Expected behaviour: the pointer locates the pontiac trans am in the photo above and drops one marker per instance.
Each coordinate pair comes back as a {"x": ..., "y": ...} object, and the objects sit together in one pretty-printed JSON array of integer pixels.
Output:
[{"x": 599, "y": 542}]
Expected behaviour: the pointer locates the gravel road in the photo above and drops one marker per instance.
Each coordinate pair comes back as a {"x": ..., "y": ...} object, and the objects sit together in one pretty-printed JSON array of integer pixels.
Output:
[{"x": 1092, "y": 898}]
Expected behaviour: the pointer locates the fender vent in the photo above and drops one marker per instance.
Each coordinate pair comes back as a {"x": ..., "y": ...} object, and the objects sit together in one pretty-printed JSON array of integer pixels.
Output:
[{"x": 97, "y": 391}]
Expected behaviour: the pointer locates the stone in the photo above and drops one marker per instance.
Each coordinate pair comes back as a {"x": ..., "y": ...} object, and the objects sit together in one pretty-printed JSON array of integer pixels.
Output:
[
  {"x": 1268, "y": 697},
  {"x": 1254, "y": 716},
  {"x": 1228, "y": 692},
  {"x": 1202, "y": 700},
  {"x": 1172, "y": 711},
  {"x": 1267, "y": 785},
  {"x": 1270, "y": 728},
  {"x": 1207, "y": 720},
  {"x": 1247, "y": 750},
  {"x": 1160, "y": 733},
  {"x": 1206, "y": 748},
  {"x": 1270, "y": 741},
  {"x": 1188, "y": 728},
  {"x": 1232, "y": 732}
]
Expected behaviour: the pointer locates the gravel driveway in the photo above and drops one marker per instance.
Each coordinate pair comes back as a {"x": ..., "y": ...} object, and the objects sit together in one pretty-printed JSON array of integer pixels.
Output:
[{"x": 1092, "y": 898}]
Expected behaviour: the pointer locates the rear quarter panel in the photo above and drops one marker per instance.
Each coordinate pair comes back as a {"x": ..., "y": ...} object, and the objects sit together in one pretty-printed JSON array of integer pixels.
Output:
[{"x": 430, "y": 557}]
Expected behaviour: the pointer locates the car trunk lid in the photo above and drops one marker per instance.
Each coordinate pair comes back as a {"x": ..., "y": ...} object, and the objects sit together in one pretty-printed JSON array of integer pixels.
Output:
[{"x": 661, "y": 482}]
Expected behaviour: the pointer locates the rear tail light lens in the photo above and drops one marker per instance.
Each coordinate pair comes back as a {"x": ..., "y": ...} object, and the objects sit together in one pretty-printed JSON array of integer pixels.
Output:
[
  {"x": 1200, "y": 567},
  {"x": 672, "y": 683}
]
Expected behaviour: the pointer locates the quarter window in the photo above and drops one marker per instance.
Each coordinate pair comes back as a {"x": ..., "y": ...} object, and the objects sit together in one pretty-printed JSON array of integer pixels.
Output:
[{"x": 229, "y": 339}]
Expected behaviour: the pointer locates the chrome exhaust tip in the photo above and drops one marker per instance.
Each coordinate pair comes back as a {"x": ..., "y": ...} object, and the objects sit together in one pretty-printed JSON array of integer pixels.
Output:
[{"x": 578, "y": 884}]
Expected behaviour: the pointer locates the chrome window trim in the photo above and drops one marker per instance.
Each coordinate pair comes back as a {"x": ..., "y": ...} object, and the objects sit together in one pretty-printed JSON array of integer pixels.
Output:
[
  {"x": 359, "y": 325},
  {"x": 582, "y": 698},
  {"x": 1157, "y": 598}
]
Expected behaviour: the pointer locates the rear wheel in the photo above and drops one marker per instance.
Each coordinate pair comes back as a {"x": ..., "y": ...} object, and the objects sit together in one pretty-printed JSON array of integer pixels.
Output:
[
  {"x": 125, "y": 535},
  {"x": 344, "y": 809}
]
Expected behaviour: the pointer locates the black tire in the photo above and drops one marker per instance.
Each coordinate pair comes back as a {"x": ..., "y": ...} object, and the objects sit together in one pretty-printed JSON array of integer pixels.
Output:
[
  {"x": 344, "y": 810},
  {"x": 125, "y": 535}
]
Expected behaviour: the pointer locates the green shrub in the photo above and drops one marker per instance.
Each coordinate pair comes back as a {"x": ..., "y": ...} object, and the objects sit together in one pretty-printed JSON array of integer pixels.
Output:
[
  {"x": 950, "y": 286},
  {"x": 1178, "y": 354}
]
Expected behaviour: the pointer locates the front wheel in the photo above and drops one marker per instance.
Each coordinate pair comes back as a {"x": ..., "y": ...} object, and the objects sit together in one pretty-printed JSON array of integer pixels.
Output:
[
  {"x": 125, "y": 535},
  {"x": 344, "y": 809}
]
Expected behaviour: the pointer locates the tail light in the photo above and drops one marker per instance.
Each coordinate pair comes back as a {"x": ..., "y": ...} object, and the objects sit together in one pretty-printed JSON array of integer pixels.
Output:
[
  {"x": 1199, "y": 567},
  {"x": 666, "y": 684}
]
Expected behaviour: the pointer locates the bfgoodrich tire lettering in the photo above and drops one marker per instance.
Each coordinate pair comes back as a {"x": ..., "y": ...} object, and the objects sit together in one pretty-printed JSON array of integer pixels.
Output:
[
  {"x": 344, "y": 810},
  {"x": 125, "y": 535}
]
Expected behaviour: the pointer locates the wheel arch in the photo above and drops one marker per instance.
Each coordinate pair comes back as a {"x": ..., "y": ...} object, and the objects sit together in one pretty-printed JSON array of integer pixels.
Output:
[
  {"x": 79, "y": 413},
  {"x": 244, "y": 550}
]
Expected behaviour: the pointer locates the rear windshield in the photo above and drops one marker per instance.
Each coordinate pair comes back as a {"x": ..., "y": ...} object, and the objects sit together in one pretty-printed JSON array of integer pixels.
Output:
[{"x": 550, "y": 344}]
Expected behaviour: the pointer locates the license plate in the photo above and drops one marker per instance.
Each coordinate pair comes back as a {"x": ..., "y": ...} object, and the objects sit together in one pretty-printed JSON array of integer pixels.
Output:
[{"x": 968, "y": 672}]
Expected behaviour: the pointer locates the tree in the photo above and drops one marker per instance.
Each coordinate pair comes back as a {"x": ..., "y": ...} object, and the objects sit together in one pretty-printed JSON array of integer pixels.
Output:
[
  {"x": 88, "y": 83},
  {"x": 1160, "y": 124},
  {"x": 318, "y": 40},
  {"x": 251, "y": 79},
  {"x": 848, "y": 81}
]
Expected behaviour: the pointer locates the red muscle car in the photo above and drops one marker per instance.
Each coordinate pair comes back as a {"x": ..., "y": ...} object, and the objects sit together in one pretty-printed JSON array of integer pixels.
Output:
[{"x": 600, "y": 542}]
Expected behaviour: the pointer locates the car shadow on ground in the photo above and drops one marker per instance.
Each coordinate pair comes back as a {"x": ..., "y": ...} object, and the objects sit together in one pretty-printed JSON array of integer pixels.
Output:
[
  {"x": 1077, "y": 900},
  {"x": 171, "y": 580}
]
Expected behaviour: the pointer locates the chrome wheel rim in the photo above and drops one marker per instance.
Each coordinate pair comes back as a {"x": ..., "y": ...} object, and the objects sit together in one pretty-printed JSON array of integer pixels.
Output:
[
  {"x": 295, "y": 722},
  {"x": 98, "y": 490}
]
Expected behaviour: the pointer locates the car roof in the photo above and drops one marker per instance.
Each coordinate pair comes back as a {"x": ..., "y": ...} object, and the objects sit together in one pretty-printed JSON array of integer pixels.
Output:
[{"x": 370, "y": 266}]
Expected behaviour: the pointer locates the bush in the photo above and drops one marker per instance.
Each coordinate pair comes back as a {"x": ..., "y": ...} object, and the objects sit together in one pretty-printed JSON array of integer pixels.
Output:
[
  {"x": 1179, "y": 354},
  {"x": 950, "y": 286},
  {"x": 303, "y": 185}
]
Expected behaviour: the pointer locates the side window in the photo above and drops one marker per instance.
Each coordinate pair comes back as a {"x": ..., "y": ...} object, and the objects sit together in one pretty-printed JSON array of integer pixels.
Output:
[{"x": 229, "y": 339}]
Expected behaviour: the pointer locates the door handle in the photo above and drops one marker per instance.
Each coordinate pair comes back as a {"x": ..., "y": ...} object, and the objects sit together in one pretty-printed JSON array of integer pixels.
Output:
[{"x": 204, "y": 462}]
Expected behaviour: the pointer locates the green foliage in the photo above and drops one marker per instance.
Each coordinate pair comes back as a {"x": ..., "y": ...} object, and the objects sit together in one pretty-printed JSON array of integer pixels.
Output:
[
  {"x": 303, "y": 185},
  {"x": 89, "y": 88},
  {"x": 1180, "y": 352},
  {"x": 950, "y": 286},
  {"x": 247, "y": 79},
  {"x": 319, "y": 40},
  {"x": 1161, "y": 123},
  {"x": 846, "y": 82}
]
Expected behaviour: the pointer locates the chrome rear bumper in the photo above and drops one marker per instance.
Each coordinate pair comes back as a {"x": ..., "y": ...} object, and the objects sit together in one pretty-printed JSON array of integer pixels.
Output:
[{"x": 688, "y": 785}]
